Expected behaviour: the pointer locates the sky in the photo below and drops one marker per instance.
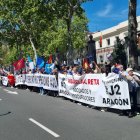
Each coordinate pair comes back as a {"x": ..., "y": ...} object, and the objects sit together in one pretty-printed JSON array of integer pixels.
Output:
[{"x": 103, "y": 14}]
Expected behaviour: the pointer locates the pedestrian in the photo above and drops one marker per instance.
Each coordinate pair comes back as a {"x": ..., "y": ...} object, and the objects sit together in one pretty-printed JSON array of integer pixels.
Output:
[
  {"x": 11, "y": 79},
  {"x": 133, "y": 84},
  {"x": 41, "y": 90},
  {"x": 118, "y": 69}
]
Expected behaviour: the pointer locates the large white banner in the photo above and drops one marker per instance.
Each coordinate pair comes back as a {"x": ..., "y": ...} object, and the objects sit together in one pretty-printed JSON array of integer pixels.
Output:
[
  {"x": 38, "y": 80},
  {"x": 80, "y": 88},
  {"x": 96, "y": 89},
  {"x": 116, "y": 92}
]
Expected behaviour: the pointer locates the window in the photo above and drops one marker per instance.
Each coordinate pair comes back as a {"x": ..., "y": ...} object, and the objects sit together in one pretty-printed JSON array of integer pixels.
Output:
[
  {"x": 108, "y": 41},
  {"x": 117, "y": 38},
  {"x": 101, "y": 58}
]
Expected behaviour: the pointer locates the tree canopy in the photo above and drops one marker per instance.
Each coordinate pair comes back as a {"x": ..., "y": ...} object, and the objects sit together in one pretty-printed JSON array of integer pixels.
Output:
[
  {"x": 119, "y": 53},
  {"x": 42, "y": 26}
]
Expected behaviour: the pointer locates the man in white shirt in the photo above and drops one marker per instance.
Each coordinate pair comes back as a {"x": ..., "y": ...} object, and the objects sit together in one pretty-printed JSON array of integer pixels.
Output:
[{"x": 133, "y": 84}]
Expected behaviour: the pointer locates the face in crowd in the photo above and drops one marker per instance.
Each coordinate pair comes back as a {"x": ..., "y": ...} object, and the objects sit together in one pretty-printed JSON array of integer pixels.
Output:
[
  {"x": 74, "y": 69},
  {"x": 130, "y": 72}
]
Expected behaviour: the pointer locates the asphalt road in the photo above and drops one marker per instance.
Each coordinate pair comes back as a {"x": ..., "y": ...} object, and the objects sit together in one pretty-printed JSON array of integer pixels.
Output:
[{"x": 25, "y": 115}]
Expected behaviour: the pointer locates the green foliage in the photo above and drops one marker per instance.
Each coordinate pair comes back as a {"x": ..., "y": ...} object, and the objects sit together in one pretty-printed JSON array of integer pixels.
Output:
[
  {"x": 53, "y": 38},
  {"x": 8, "y": 55},
  {"x": 119, "y": 53},
  {"x": 79, "y": 28},
  {"x": 48, "y": 22},
  {"x": 56, "y": 36},
  {"x": 21, "y": 19}
]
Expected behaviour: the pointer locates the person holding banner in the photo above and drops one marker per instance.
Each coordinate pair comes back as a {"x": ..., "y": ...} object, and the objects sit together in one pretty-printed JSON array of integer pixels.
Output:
[
  {"x": 133, "y": 83},
  {"x": 11, "y": 79},
  {"x": 118, "y": 69},
  {"x": 41, "y": 90}
]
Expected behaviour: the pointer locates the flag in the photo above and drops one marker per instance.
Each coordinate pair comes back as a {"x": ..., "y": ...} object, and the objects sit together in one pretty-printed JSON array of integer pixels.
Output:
[
  {"x": 29, "y": 59},
  {"x": 85, "y": 63},
  {"x": 19, "y": 64},
  {"x": 90, "y": 58},
  {"x": 100, "y": 40},
  {"x": 48, "y": 68},
  {"x": 50, "y": 59},
  {"x": 40, "y": 62}
]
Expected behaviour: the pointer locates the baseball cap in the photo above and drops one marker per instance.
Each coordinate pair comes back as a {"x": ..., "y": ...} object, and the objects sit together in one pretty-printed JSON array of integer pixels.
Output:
[{"x": 129, "y": 69}]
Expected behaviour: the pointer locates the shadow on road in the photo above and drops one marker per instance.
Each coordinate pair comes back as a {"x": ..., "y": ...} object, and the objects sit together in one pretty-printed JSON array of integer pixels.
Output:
[{"x": 5, "y": 114}]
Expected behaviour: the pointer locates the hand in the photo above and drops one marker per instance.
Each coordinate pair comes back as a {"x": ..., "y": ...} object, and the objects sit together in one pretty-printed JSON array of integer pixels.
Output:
[{"x": 124, "y": 75}]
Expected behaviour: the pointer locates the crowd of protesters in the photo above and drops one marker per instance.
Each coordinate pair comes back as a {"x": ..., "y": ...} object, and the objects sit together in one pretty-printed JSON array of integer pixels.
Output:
[{"x": 77, "y": 69}]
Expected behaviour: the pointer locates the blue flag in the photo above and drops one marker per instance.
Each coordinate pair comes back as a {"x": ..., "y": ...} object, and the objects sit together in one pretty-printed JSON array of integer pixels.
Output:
[
  {"x": 29, "y": 59},
  {"x": 116, "y": 70},
  {"x": 48, "y": 69},
  {"x": 90, "y": 58},
  {"x": 40, "y": 62}
]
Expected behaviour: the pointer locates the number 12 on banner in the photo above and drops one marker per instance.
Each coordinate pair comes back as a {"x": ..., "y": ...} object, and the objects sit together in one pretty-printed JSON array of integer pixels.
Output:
[{"x": 115, "y": 89}]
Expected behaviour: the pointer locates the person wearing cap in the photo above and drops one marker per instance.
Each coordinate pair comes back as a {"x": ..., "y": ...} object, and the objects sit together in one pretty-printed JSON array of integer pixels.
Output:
[
  {"x": 133, "y": 84},
  {"x": 118, "y": 69}
]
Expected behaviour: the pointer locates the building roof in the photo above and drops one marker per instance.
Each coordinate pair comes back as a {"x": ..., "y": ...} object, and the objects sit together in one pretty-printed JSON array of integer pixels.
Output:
[{"x": 121, "y": 27}]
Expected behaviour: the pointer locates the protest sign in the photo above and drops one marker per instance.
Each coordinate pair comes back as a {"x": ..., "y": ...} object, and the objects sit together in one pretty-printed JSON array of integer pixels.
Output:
[
  {"x": 96, "y": 89},
  {"x": 38, "y": 80}
]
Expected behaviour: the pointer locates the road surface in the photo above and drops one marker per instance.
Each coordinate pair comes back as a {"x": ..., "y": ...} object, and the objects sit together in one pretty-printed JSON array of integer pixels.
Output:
[{"x": 26, "y": 115}]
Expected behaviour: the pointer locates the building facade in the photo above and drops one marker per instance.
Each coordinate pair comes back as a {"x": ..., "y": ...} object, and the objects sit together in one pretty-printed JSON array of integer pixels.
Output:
[{"x": 109, "y": 37}]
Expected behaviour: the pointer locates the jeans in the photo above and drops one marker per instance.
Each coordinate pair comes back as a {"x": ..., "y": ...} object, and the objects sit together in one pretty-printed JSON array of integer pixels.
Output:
[
  {"x": 133, "y": 98},
  {"x": 41, "y": 90}
]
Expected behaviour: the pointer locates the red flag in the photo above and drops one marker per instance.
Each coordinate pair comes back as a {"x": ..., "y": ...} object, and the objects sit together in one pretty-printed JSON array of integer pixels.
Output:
[
  {"x": 19, "y": 64},
  {"x": 100, "y": 40},
  {"x": 85, "y": 63},
  {"x": 50, "y": 59}
]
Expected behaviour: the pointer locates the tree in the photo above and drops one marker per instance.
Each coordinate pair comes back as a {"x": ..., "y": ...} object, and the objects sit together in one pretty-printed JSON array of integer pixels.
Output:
[
  {"x": 43, "y": 24},
  {"x": 56, "y": 36},
  {"x": 69, "y": 8},
  {"x": 119, "y": 53},
  {"x": 23, "y": 20},
  {"x": 132, "y": 33},
  {"x": 7, "y": 55}
]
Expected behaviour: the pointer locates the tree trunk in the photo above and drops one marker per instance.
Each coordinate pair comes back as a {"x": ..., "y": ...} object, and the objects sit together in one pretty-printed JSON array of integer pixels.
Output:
[
  {"x": 132, "y": 33},
  {"x": 69, "y": 45},
  {"x": 34, "y": 49}
]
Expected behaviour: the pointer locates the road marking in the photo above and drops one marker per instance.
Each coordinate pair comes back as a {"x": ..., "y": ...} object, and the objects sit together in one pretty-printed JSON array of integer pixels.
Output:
[
  {"x": 11, "y": 92},
  {"x": 5, "y": 90},
  {"x": 45, "y": 128}
]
